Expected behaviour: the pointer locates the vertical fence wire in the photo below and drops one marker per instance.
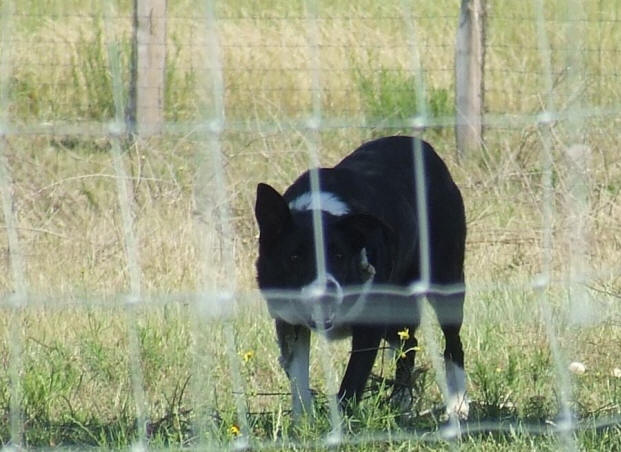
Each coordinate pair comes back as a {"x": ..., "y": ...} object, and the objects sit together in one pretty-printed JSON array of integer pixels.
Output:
[
  {"x": 420, "y": 195},
  {"x": 578, "y": 162},
  {"x": 546, "y": 122},
  {"x": 577, "y": 208},
  {"x": 18, "y": 299},
  {"x": 335, "y": 435},
  {"x": 208, "y": 306},
  {"x": 125, "y": 193},
  {"x": 215, "y": 235}
]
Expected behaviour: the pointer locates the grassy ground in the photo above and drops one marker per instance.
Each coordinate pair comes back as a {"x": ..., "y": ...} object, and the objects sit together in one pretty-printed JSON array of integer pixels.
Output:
[{"x": 77, "y": 335}]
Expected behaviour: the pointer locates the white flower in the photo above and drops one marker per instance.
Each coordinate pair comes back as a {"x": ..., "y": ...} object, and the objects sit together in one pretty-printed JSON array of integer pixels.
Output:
[
  {"x": 616, "y": 372},
  {"x": 577, "y": 368}
]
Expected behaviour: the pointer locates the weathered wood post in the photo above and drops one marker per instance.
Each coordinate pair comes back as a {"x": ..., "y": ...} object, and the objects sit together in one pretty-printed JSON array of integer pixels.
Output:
[
  {"x": 146, "y": 108},
  {"x": 469, "y": 65}
]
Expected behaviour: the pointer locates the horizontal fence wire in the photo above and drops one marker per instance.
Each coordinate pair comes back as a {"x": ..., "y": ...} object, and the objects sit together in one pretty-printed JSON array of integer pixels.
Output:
[{"x": 130, "y": 313}]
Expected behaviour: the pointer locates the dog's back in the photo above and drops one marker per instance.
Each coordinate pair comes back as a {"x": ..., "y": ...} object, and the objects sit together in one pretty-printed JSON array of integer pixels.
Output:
[{"x": 379, "y": 178}]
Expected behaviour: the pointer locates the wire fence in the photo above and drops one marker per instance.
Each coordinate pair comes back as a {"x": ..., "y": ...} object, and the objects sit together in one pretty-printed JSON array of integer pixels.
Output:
[{"x": 130, "y": 315}]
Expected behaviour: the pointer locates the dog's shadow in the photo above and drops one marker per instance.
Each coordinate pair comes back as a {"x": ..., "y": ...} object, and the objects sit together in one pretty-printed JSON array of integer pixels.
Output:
[
  {"x": 426, "y": 419},
  {"x": 501, "y": 420}
]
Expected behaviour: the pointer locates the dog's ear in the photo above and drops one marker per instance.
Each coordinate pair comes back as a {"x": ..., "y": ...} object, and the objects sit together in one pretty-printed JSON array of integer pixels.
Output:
[
  {"x": 360, "y": 228},
  {"x": 272, "y": 213}
]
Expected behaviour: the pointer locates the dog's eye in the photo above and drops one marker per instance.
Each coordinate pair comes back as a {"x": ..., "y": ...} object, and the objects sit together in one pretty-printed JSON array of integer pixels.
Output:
[
  {"x": 294, "y": 257},
  {"x": 339, "y": 256}
]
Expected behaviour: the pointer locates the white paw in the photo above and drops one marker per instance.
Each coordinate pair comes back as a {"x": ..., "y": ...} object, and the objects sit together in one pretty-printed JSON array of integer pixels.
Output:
[{"x": 458, "y": 406}]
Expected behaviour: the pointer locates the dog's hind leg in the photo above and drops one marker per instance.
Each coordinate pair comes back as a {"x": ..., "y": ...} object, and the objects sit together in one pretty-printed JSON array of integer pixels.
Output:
[
  {"x": 449, "y": 310},
  {"x": 294, "y": 342},
  {"x": 404, "y": 343}
]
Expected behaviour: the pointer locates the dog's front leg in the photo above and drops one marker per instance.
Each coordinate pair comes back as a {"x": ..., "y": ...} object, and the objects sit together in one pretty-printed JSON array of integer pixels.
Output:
[
  {"x": 294, "y": 342},
  {"x": 364, "y": 344}
]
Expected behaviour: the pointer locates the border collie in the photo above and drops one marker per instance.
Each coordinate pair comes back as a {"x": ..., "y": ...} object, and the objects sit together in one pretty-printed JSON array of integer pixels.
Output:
[{"x": 351, "y": 251}]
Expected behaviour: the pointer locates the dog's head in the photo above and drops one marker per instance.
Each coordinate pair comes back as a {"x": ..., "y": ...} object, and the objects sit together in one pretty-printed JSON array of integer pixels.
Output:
[{"x": 287, "y": 266}]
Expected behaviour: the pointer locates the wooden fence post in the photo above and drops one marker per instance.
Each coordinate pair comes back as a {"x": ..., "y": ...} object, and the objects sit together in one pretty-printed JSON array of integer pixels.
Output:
[
  {"x": 146, "y": 108},
  {"x": 469, "y": 65}
]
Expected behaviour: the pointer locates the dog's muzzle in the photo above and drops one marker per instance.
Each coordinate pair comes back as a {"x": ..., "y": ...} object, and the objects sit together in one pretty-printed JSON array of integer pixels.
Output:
[{"x": 323, "y": 299}]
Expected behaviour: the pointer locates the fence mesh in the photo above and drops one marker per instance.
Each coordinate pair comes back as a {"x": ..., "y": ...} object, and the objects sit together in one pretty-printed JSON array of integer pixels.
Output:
[{"x": 130, "y": 315}]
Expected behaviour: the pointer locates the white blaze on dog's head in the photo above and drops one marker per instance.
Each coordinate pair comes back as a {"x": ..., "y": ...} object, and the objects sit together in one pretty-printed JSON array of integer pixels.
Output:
[{"x": 324, "y": 201}]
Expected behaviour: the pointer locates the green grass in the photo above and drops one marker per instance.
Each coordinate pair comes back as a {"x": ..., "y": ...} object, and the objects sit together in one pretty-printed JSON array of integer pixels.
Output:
[
  {"x": 77, "y": 390},
  {"x": 390, "y": 97},
  {"x": 75, "y": 381}
]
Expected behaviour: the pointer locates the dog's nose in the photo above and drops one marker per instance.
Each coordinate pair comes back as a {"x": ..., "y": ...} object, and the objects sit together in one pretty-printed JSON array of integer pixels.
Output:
[
  {"x": 323, "y": 298},
  {"x": 325, "y": 325}
]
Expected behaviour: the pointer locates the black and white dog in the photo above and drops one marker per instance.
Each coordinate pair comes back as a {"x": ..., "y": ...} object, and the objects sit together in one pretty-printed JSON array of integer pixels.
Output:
[{"x": 355, "y": 257}]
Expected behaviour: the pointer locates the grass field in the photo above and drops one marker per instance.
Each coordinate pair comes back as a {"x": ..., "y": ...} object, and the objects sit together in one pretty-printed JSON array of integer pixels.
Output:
[{"x": 536, "y": 205}]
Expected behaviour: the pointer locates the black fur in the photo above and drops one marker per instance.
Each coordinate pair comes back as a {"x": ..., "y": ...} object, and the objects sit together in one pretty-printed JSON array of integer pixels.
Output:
[{"x": 377, "y": 184}]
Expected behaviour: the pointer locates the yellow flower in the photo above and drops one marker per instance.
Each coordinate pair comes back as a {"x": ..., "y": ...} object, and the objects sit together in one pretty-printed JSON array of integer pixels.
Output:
[
  {"x": 404, "y": 334},
  {"x": 248, "y": 356},
  {"x": 234, "y": 430}
]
